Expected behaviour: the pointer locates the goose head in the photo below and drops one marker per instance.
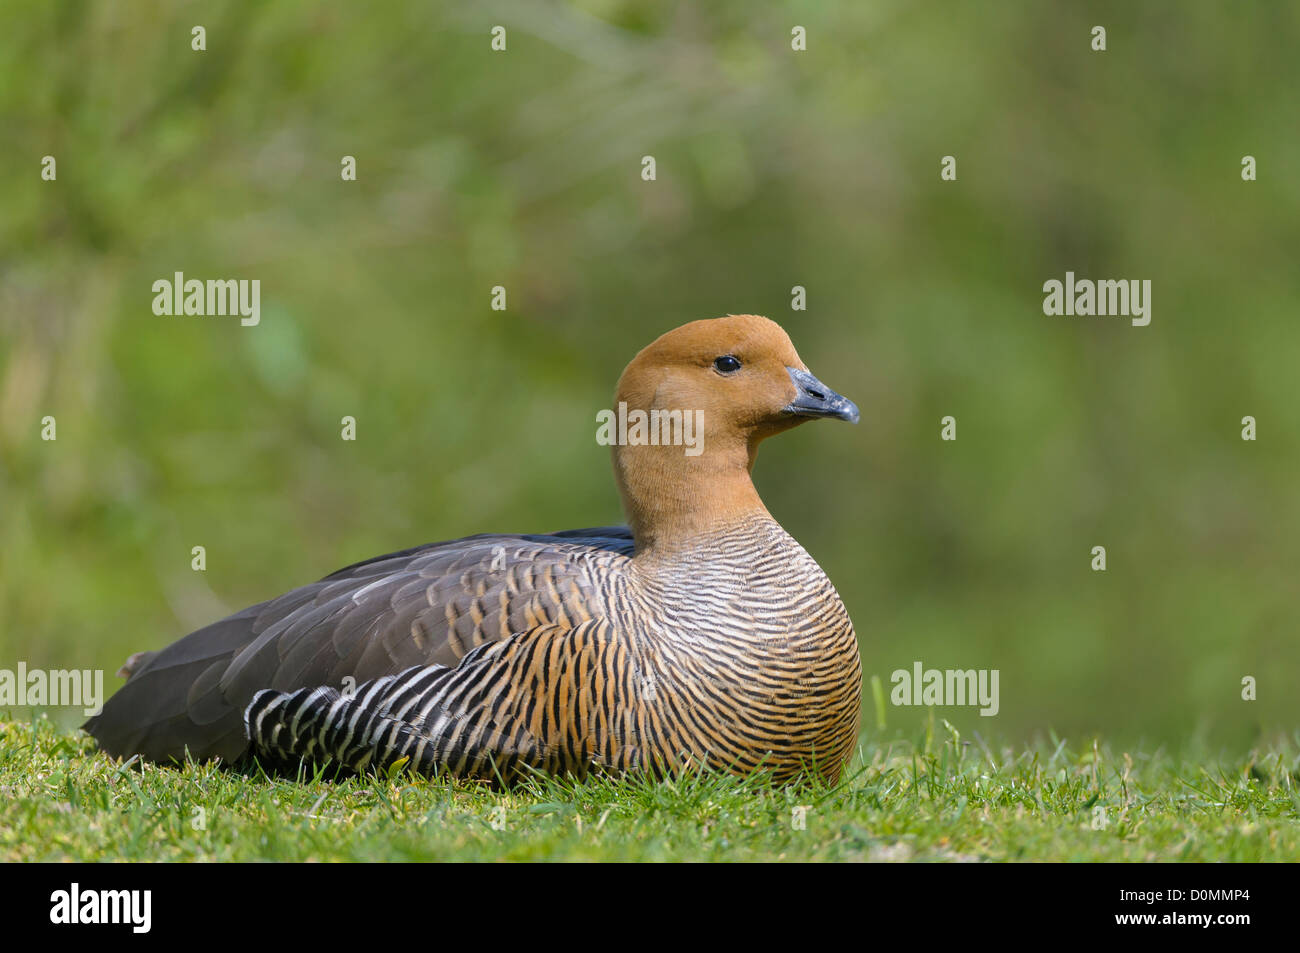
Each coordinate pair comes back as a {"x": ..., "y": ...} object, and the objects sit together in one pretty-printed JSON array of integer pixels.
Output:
[{"x": 731, "y": 382}]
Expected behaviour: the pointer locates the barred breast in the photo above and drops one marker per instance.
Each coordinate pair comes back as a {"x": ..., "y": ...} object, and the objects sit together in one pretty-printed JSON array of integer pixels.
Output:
[{"x": 739, "y": 656}]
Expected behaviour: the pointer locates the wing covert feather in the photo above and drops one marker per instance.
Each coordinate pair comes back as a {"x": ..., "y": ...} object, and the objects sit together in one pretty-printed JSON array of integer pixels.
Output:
[{"x": 429, "y": 605}]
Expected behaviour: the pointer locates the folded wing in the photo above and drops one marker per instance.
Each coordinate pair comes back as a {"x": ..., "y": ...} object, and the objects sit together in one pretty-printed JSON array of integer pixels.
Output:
[{"x": 429, "y": 606}]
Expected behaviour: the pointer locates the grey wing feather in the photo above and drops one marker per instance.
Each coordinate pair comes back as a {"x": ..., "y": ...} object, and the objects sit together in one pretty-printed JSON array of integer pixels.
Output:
[{"x": 428, "y": 605}]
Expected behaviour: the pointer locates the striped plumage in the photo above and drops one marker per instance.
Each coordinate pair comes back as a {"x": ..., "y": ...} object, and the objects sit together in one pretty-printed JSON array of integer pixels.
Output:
[{"x": 703, "y": 633}]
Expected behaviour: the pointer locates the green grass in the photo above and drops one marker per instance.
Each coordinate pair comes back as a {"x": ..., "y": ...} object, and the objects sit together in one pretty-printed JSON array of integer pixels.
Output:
[{"x": 935, "y": 798}]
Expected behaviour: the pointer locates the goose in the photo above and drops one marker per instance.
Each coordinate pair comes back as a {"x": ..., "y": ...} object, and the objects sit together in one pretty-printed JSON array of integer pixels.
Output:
[{"x": 699, "y": 633}]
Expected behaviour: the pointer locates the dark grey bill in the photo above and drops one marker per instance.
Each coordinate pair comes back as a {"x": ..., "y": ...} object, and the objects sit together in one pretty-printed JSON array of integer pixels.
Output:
[{"x": 815, "y": 399}]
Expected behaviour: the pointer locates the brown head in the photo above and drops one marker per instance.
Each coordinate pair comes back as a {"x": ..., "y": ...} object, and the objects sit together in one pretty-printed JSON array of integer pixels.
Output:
[{"x": 734, "y": 381}]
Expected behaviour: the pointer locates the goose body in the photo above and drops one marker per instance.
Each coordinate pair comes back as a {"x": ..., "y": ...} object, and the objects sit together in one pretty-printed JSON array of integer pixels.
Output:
[{"x": 701, "y": 632}]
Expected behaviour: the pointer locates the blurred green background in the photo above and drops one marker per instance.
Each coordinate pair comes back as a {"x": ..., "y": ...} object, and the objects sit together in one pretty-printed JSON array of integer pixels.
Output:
[{"x": 775, "y": 169}]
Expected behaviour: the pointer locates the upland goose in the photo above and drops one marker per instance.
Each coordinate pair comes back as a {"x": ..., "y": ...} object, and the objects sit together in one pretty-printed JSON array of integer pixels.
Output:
[{"x": 700, "y": 633}]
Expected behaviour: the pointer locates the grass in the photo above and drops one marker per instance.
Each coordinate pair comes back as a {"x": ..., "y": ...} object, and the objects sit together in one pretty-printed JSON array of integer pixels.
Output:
[{"x": 933, "y": 798}]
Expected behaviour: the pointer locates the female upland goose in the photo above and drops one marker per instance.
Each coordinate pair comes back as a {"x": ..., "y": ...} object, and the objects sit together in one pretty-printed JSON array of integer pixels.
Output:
[{"x": 702, "y": 632}]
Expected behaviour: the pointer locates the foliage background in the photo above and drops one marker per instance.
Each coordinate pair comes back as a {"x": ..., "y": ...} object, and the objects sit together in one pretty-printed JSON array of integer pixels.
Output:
[{"x": 774, "y": 169}]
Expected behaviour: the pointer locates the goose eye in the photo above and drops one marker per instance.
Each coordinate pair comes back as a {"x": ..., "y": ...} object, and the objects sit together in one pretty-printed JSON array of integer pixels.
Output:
[{"x": 727, "y": 364}]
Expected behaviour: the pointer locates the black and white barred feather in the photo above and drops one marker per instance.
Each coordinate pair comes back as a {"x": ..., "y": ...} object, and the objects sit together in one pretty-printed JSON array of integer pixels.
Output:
[{"x": 485, "y": 656}]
